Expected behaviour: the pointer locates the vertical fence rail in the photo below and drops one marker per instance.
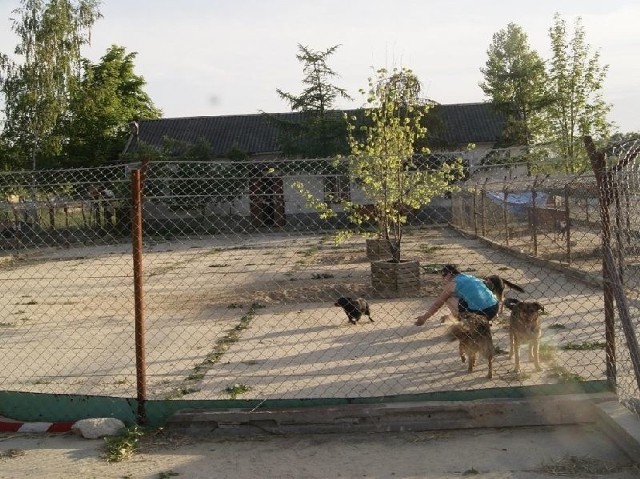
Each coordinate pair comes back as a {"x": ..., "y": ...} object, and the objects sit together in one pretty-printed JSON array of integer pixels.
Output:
[{"x": 609, "y": 193}]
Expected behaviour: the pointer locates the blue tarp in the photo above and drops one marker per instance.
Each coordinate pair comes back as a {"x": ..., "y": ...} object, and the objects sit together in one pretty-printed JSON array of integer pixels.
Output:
[{"x": 518, "y": 203}]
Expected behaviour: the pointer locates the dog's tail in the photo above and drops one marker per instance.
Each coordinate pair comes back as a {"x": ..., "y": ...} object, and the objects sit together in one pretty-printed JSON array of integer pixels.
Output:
[
  {"x": 510, "y": 303},
  {"x": 518, "y": 288}
]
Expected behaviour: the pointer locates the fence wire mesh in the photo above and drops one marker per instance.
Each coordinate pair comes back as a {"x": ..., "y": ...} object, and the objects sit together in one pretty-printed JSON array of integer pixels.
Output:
[
  {"x": 241, "y": 276},
  {"x": 624, "y": 183}
]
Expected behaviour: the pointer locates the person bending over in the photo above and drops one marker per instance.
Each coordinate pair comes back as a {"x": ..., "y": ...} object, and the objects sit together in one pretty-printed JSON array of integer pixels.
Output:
[{"x": 462, "y": 293}]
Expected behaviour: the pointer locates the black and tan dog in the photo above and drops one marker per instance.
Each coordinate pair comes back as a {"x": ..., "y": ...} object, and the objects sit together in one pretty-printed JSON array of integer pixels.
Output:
[
  {"x": 354, "y": 308},
  {"x": 474, "y": 336},
  {"x": 498, "y": 285},
  {"x": 524, "y": 328}
]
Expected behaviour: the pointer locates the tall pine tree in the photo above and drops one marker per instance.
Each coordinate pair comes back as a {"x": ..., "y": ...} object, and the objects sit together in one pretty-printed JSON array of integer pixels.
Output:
[{"x": 321, "y": 132}]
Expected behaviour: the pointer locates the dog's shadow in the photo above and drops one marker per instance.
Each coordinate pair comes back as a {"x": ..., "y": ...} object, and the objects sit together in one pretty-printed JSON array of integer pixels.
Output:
[
  {"x": 298, "y": 331},
  {"x": 394, "y": 334}
]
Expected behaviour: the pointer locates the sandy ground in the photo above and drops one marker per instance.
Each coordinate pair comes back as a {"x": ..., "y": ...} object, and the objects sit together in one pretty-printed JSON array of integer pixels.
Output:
[
  {"x": 526, "y": 453},
  {"x": 67, "y": 320}
]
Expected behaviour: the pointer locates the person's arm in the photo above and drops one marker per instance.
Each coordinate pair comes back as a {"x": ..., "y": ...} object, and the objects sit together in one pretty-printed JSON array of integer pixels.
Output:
[{"x": 447, "y": 292}]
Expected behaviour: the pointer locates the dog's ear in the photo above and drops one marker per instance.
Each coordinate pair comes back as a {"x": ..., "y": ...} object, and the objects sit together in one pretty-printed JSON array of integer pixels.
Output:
[
  {"x": 539, "y": 306},
  {"x": 510, "y": 303}
]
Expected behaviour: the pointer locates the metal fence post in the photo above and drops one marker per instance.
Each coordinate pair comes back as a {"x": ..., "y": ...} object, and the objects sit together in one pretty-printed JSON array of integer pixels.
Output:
[
  {"x": 505, "y": 216},
  {"x": 483, "y": 217},
  {"x": 136, "y": 239},
  {"x": 534, "y": 221},
  {"x": 567, "y": 220},
  {"x": 475, "y": 211}
]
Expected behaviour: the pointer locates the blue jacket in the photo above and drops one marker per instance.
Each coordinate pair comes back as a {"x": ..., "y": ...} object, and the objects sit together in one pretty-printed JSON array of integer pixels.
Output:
[{"x": 474, "y": 292}]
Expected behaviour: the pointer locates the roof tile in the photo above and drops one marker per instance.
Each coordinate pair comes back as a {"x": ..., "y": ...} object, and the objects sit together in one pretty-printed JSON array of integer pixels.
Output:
[{"x": 258, "y": 133}]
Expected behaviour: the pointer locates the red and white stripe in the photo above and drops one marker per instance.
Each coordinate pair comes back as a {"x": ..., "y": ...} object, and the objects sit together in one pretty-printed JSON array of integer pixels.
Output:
[{"x": 9, "y": 425}]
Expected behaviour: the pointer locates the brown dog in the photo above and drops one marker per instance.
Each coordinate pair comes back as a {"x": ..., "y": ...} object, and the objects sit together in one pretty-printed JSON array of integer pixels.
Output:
[
  {"x": 474, "y": 336},
  {"x": 524, "y": 327}
]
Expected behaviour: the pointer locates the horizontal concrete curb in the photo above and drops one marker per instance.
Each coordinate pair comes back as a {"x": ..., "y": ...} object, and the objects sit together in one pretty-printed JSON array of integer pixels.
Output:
[
  {"x": 387, "y": 417},
  {"x": 10, "y": 425}
]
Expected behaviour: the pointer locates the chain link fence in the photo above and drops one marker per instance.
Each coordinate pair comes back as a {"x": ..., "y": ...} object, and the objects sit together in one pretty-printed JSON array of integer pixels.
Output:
[
  {"x": 240, "y": 276},
  {"x": 558, "y": 220},
  {"x": 552, "y": 218}
]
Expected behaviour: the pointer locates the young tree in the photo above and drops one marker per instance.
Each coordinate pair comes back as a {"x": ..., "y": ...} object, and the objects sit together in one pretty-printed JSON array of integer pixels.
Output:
[
  {"x": 108, "y": 96},
  {"x": 321, "y": 131},
  {"x": 37, "y": 88},
  {"x": 576, "y": 81},
  {"x": 382, "y": 160},
  {"x": 514, "y": 80}
]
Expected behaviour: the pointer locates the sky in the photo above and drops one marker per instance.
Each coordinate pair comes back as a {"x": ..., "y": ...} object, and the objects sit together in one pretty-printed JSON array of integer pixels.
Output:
[{"x": 216, "y": 57}]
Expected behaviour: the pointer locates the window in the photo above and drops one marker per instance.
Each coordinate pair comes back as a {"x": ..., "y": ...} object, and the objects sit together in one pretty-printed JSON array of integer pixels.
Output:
[{"x": 336, "y": 189}]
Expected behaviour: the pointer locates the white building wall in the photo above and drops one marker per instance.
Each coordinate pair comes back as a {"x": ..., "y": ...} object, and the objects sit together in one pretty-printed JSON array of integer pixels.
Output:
[{"x": 294, "y": 201}]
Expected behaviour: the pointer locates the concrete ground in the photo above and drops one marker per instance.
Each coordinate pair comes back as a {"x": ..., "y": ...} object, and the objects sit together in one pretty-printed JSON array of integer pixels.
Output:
[
  {"x": 605, "y": 447},
  {"x": 525, "y": 453}
]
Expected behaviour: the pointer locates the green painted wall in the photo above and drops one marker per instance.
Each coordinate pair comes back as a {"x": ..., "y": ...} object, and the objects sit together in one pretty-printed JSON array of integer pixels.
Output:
[{"x": 30, "y": 407}]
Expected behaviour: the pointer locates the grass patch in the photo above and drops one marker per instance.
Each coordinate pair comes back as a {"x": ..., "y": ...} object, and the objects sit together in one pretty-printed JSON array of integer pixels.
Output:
[
  {"x": 556, "y": 326},
  {"x": 426, "y": 248},
  {"x": 470, "y": 472},
  {"x": 123, "y": 446},
  {"x": 221, "y": 347},
  {"x": 547, "y": 353},
  {"x": 585, "y": 346},
  {"x": 237, "y": 389},
  {"x": 312, "y": 251},
  {"x": 432, "y": 268},
  {"x": 584, "y": 466},
  {"x": 11, "y": 453},
  {"x": 321, "y": 276},
  {"x": 564, "y": 375},
  {"x": 7, "y": 325},
  {"x": 41, "y": 381},
  {"x": 499, "y": 350},
  {"x": 196, "y": 376},
  {"x": 167, "y": 474}
]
